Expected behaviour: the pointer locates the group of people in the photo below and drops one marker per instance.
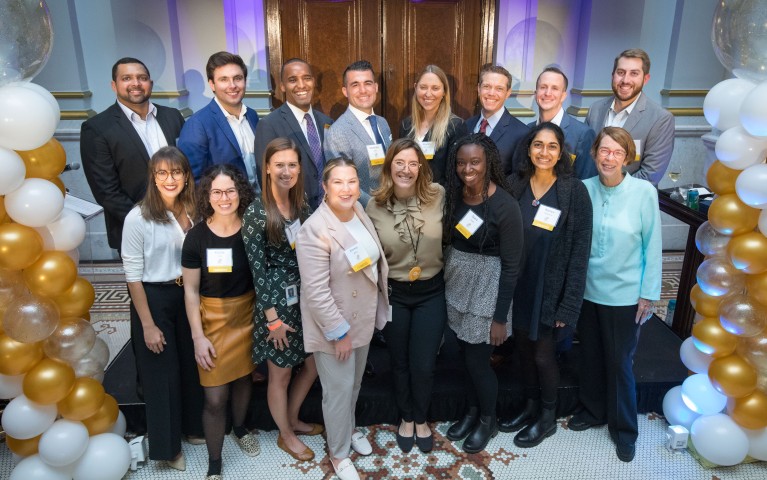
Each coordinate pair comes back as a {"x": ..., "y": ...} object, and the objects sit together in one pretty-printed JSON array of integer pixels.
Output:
[{"x": 289, "y": 240}]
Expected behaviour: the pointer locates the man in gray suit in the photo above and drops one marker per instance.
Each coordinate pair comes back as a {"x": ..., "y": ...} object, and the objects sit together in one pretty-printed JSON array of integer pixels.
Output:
[
  {"x": 359, "y": 134},
  {"x": 651, "y": 126},
  {"x": 298, "y": 121}
]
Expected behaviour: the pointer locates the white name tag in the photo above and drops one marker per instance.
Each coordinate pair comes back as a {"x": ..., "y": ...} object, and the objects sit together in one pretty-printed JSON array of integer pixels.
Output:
[
  {"x": 291, "y": 294},
  {"x": 638, "y": 145},
  {"x": 358, "y": 258},
  {"x": 376, "y": 154},
  {"x": 546, "y": 217},
  {"x": 428, "y": 149},
  {"x": 219, "y": 260},
  {"x": 469, "y": 224},
  {"x": 291, "y": 231}
]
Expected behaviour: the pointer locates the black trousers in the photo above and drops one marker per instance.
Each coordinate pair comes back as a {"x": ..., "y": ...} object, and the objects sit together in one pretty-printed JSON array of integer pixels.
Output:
[
  {"x": 170, "y": 382},
  {"x": 413, "y": 338},
  {"x": 609, "y": 337}
]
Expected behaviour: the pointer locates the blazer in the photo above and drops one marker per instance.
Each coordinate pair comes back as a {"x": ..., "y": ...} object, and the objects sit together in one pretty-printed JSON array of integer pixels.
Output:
[
  {"x": 207, "y": 139},
  {"x": 333, "y": 296},
  {"x": 579, "y": 138},
  {"x": 282, "y": 123},
  {"x": 115, "y": 162},
  {"x": 508, "y": 132},
  {"x": 438, "y": 164},
  {"x": 348, "y": 138},
  {"x": 649, "y": 123},
  {"x": 568, "y": 258}
]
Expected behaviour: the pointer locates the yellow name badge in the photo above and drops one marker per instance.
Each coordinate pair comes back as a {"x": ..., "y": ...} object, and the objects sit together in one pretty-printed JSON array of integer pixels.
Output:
[
  {"x": 572, "y": 158},
  {"x": 357, "y": 258},
  {"x": 546, "y": 217},
  {"x": 428, "y": 149},
  {"x": 638, "y": 145},
  {"x": 469, "y": 224},
  {"x": 376, "y": 154},
  {"x": 219, "y": 260},
  {"x": 291, "y": 232}
]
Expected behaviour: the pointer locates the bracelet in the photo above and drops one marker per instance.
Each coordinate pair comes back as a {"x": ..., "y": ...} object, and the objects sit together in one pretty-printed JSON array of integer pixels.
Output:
[
  {"x": 272, "y": 326},
  {"x": 341, "y": 337}
]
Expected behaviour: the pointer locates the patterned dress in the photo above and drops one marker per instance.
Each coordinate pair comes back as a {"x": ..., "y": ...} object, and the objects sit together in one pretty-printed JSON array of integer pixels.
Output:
[{"x": 274, "y": 268}]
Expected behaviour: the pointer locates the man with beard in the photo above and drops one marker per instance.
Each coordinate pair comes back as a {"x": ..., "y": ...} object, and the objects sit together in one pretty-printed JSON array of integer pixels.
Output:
[
  {"x": 651, "y": 126},
  {"x": 116, "y": 144}
]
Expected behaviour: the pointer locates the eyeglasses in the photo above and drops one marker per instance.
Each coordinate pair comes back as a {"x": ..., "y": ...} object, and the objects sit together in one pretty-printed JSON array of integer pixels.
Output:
[
  {"x": 216, "y": 195},
  {"x": 617, "y": 154},
  {"x": 401, "y": 165},
  {"x": 162, "y": 175}
]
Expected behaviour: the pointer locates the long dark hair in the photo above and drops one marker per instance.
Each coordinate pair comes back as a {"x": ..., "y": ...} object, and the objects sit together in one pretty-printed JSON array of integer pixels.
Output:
[
  {"x": 152, "y": 206},
  {"x": 298, "y": 208},
  {"x": 564, "y": 165},
  {"x": 244, "y": 189},
  {"x": 494, "y": 173}
]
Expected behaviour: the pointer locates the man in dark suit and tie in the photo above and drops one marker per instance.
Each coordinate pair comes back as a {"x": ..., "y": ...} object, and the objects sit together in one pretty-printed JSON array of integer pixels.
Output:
[
  {"x": 494, "y": 120},
  {"x": 224, "y": 130},
  {"x": 359, "y": 134},
  {"x": 116, "y": 144},
  {"x": 297, "y": 120}
]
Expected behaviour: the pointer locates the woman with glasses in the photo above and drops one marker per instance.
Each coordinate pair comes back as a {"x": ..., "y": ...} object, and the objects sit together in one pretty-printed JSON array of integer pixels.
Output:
[
  {"x": 407, "y": 212},
  {"x": 219, "y": 298},
  {"x": 153, "y": 235},
  {"x": 623, "y": 281}
]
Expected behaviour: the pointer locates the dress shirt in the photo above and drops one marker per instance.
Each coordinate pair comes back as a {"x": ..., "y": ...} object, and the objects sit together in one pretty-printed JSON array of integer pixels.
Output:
[
  {"x": 363, "y": 118},
  {"x": 492, "y": 121},
  {"x": 557, "y": 118},
  {"x": 299, "y": 114},
  {"x": 618, "y": 119},
  {"x": 246, "y": 138},
  {"x": 151, "y": 251},
  {"x": 148, "y": 130}
]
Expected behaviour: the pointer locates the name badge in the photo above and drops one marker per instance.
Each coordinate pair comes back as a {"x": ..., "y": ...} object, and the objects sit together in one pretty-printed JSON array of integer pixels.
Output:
[
  {"x": 219, "y": 260},
  {"x": 469, "y": 224},
  {"x": 546, "y": 217},
  {"x": 357, "y": 257},
  {"x": 291, "y": 231},
  {"x": 572, "y": 158},
  {"x": 376, "y": 154},
  {"x": 428, "y": 149},
  {"x": 291, "y": 294},
  {"x": 638, "y": 145}
]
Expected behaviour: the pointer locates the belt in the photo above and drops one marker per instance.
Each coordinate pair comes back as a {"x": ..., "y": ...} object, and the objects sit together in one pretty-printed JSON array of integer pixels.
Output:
[{"x": 177, "y": 281}]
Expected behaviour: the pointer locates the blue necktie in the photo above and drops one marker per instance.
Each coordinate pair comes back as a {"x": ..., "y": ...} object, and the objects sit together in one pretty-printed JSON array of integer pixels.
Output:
[
  {"x": 374, "y": 125},
  {"x": 315, "y": 146}
]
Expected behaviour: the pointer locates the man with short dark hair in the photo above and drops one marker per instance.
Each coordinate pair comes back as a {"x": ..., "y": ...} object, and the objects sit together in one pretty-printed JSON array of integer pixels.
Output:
[
  {"x": 224, "y": 130},
  {"x": 359, "y": 134},
  {"x": 116, "y": 144},
  {"x": 651, "y": 126},
  {"x": 297, "y": 120}
]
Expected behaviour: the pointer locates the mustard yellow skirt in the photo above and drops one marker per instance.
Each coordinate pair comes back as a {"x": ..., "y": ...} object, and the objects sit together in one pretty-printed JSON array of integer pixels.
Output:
[{"x": 228, "y": 324}]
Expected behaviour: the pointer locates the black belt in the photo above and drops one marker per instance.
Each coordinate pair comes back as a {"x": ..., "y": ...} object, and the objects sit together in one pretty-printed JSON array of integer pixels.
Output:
[{"x": 177, "y": 281}]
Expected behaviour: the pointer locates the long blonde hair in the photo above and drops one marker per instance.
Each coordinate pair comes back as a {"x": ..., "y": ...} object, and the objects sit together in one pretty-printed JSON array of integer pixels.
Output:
[{"x": 442, "y": 119}]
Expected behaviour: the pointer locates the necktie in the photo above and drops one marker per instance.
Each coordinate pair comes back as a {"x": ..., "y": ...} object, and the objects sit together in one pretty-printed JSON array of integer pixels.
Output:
[
  {"x": 314, "y": 144},
  {"x": 483, "y": 126},
  {"x": 374, "y": 125}
]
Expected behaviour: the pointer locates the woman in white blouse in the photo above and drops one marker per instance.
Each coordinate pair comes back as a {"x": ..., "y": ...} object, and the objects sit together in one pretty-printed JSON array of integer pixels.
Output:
[{"x": 153, "y": 235}]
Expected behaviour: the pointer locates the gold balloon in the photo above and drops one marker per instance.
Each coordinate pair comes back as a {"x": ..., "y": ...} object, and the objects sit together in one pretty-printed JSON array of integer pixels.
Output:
[
  {"x": 23, "y": 448},
  {"x": 83, "y": 401},
  {"x": 748, "y": 252},
  {"x": 52, "y": 274},
  {"x": 729, "y": 216},
  {"x": 20, "y": 246},
  {"x": 757, "y": 287},
  {"x": 59, "y": 183},
  {"x": 750, "y": 411},
  {"x": 712, "y": 339},
  {"x": 11, "y": 287},
  {"x": 16, "y": 357},
  {"x": 76, "y": 301},
  {"x": 45, "y": 162},
  {"x": 703, "y": 303},
  {"x": 721, "y": 179},
  {"x": 50, "y": 381},
  {"x": 732, "y": 376},
  {"x": 106, "y": 416}
]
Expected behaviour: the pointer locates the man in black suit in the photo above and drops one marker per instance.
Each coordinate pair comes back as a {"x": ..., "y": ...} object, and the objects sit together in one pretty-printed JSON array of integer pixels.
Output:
[
  {"x": 495, "y": 121},
  {"x": 116, "y": 144},
  {"x": 297, "y": 120}
]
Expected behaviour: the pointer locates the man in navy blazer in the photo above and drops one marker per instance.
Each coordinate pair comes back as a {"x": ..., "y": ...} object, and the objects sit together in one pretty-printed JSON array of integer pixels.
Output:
[
  {"x": 651, "y": 126},
  {"x": 224, "y": 130},
  {"x": 494, "y": 120},
  {"x": 290, "y": 120}
]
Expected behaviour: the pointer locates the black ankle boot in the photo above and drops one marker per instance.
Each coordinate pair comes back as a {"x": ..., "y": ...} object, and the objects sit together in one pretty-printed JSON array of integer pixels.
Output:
[
  {"x": 544, "y": 426},
  {"x": 482, "y": 433},
  {"x": 522, "y": 418},
  {"x": 462, "y": 427}
]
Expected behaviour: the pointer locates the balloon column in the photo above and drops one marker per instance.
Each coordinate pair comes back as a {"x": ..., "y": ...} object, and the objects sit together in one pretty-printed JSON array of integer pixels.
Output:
[
  {"x": 724, "y": 404},
  {"x": 59, "y": 419}
]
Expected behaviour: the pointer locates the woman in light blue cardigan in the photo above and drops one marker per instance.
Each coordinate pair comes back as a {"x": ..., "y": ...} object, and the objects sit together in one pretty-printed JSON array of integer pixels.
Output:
[{"x": 623, "y": 281}]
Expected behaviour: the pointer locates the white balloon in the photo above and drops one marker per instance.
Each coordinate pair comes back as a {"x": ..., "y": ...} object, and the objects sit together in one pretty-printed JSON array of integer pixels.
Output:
[
  {"x": 763, "y": 222},
  {"x": 753, "y": 115},
  {"x": 121, "y": 425},
  {"x": 24, "y": 419},
  {"x": 67, "y": 232},
  {"x": 693, "y": 358},
  {"x": 10, "y": 386},
  {"x": 720, "y": 440},
  {"x": 43, "y": 93},
  {"x": 723, "y": 102},
  {"x": 34, "y": 468},
  {"x": 106, "y": 458},
  {"x": 74, "y": 254},
  {"x": 700, "y": 396},
  {"x": 27, "y": 120},
  {"x": 736, "y": 149},
  {"x": 751, "y": 186},
  {"x": 35, "y": 203},
  {"x": 675, "y": 410},
  {"x": 63, "y": 443},
  {"x": 757, "y": 443},
  {"x": 12, "y": 171}
]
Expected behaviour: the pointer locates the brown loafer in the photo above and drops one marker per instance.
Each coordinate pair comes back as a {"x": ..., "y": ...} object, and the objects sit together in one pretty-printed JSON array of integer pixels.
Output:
[
  {"x": 306, "y": 456},
  {"x": 317, "y": 429}
]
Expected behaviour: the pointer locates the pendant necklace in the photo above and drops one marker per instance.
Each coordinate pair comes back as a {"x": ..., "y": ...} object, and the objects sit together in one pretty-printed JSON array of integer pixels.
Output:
[{"x": 415, "y": 272}]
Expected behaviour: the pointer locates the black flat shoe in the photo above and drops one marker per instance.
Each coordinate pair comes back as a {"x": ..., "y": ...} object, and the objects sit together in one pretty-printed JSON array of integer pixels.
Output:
[
  {"x": 582, "y": 421},
  {"x": 478, "y": 439},
  {"x": 625, "y": 451},
  {"x": 521, "y": 419},
  {"x": 425, "y": 444},
  {"x": 405, "y": 443},
  {"x": 462, "y": 427}
]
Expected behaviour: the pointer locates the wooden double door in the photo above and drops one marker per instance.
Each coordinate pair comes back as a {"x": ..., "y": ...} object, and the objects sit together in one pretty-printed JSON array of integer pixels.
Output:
[{"x": 398, "y": 37}]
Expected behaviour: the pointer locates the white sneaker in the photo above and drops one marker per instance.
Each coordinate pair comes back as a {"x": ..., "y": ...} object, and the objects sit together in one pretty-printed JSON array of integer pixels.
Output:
[
  {"x": 345, "y": 470},
  {"x": 360, "y": 444}
]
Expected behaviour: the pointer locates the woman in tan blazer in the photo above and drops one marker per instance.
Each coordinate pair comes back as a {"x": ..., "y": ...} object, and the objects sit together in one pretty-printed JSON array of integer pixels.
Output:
[{"x": 343, "y": 298}]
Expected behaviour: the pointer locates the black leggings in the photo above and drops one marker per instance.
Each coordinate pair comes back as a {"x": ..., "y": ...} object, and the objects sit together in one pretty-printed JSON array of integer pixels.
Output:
[
  {"x": 483, "y": 391},
  {"x": 538, "y": 362}
]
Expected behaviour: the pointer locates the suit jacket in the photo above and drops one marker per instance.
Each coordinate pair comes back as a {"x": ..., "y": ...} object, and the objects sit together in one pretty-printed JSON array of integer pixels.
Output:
[
  {"x": 508, "y": 132},
  {"x": 649, "y": 123},
  {"x": 207, "y": 139},
  {"x": 115, "y": 162},
  {"x": 455, "y": 130},
  {"x": 333, "y": 296},
  {"x": 348, "y": 138},
  {"x": 578, "y": 137},
  {"x": 282, "y": 123}
]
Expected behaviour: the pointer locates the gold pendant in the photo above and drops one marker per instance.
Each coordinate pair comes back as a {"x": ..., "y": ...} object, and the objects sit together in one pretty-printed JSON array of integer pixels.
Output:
[{"x": 415, "y": 273}]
